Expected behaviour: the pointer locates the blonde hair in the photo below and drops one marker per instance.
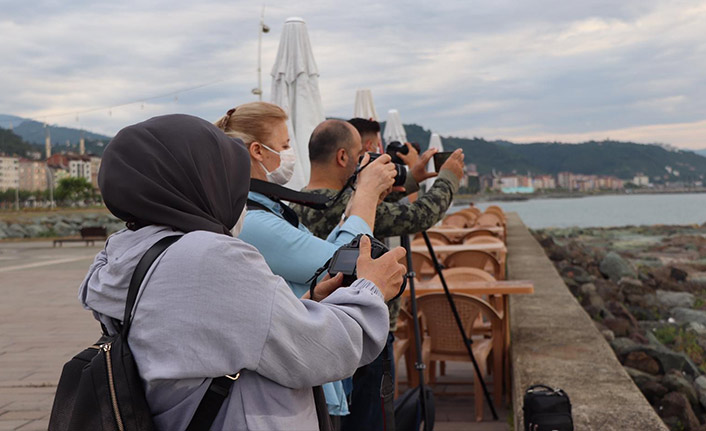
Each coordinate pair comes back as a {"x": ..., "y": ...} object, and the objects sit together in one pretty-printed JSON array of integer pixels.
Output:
[{"x": 251, "y": 122}]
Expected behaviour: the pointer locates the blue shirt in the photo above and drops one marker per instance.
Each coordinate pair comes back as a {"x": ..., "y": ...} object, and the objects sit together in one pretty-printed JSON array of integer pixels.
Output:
[{"x": 295, "y": 254}]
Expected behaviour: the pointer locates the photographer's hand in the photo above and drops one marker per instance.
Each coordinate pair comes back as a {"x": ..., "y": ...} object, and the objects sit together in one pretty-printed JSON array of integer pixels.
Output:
[
  {"x": 326, "y": 286},
  {"x": 412, "y": 156},
  {"x": 373, "y": 182},
  {"x": 419, "y": 170},
  {"x": 455, "y": 163},
  {"x": 386, "y": 271}
]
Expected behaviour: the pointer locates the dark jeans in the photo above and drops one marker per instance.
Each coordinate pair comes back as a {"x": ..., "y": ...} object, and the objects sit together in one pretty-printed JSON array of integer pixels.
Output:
[{"x": 366, "y": 405}]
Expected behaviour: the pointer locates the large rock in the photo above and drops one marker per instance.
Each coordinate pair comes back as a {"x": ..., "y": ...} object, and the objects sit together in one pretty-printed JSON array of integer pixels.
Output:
[
  {"x": 700, "y": 386},
  {"x": 676, "y": 382},
  {"x": 642, "y": 361},
  {"x": 576, "y": 273},
  {"x": 64, "y": 229},
  {"x": 34, "y": 230},
  {"x": 16, "y": 231},
  {"x": 675, "y": 299},
  {"x": 623, "y": 345},
  {"x": 676, "y": 405},
  {"x": 641, "y": 378},
  {"x": 615, "y": 267},
  {"x": 687, "y": 315}
]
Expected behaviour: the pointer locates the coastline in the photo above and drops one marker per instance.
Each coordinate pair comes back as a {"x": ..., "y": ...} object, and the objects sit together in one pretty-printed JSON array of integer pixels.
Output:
[
  {"x": 645, "y": 289},
  {"x": 465, "y": 199}
]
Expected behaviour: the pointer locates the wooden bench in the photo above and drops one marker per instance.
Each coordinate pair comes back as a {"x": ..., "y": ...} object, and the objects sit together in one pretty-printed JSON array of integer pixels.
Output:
[{"x": 88, "y": 234}]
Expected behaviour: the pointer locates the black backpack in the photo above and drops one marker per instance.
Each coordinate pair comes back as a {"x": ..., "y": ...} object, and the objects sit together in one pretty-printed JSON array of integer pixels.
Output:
[
  {"x": 100, "y": 388},
  {"x": 547, "y": 409}
]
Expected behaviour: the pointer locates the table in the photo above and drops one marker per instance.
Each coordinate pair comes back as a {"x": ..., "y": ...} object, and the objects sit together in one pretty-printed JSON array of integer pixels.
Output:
[
  {"x": 450, "y": 248},
  {"x": 497, "y": 230}
]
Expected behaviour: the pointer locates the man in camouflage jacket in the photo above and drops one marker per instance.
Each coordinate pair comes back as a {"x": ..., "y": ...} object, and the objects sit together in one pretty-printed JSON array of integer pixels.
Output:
[{"x": 333, "y": 160}]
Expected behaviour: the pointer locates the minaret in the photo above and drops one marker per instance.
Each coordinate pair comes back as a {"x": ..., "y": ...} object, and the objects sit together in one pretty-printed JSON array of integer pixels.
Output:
[
  {"x": 82, "y": 145},
  {"x": 47, "y": 143}
]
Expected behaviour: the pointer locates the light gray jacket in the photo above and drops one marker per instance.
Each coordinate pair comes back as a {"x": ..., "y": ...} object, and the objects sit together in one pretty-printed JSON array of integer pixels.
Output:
[{"x": 210, "y": 306}]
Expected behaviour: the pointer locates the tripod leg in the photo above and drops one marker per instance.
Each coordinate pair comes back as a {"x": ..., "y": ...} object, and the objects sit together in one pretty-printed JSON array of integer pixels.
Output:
[{"x": 466, "y": 341}]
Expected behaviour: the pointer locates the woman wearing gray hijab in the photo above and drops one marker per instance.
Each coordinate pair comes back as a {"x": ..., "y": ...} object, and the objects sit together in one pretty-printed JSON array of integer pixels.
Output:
[{"x": 210, "y": 305}]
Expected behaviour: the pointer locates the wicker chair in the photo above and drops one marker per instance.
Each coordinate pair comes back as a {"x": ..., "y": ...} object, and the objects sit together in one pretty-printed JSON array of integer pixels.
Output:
[
  {"x": 422, "y": 265},
  {"x": 455, "y": 220},
  {"x": 438, "y": 236},
  {"x": 489, "y": 219},
  {"x": 447, "y": 345},
  {"x": 475, "y": 259},
  {"x": 477, "y": 233}
]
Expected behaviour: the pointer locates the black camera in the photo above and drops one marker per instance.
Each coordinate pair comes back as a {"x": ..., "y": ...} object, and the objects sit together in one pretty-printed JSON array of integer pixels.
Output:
[
  {"x": 400, "y": 177},
  {"x": 346, "y": 258},
  {"x": 395, "y": 147}
]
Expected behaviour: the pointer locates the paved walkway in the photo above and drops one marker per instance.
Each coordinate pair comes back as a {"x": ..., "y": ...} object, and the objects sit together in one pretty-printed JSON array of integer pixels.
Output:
[{"x": 42, "y": 325}]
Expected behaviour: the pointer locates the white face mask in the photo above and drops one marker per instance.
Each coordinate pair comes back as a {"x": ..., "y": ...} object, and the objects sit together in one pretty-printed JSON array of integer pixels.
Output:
[
  {"x": 239, "y": 224},
  {"x": 284, "y": 172}
]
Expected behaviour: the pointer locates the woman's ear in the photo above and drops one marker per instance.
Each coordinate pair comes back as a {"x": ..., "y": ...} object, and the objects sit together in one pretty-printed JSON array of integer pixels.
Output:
[{"x": 255, "y": 150}]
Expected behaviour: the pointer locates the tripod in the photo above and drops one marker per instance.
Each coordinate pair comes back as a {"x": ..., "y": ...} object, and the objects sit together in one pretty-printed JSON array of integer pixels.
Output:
[
  {"x": 419, "y": 364},
  {"x": 466, "y": 341}
]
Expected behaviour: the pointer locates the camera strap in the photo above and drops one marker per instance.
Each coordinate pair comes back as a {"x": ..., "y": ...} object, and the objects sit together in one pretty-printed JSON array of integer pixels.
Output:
[{"x": 271, "y": 190}]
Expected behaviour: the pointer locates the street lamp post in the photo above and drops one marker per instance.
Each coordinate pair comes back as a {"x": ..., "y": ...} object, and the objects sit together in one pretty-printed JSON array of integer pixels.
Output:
[{"x": 262, "y": 28}]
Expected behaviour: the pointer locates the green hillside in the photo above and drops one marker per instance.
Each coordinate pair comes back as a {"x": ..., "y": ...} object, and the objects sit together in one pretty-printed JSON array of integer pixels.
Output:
[
  {"x": 620, "y": 159},
  {"x": 13, "y": 145},
  {"x": 35, "y": 133}
]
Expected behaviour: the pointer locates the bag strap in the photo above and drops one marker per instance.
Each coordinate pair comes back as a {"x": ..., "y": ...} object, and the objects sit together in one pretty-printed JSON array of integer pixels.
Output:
[
  {"x": 139, "y": 275},
  {"x": 322, "y": 414},
  {"x": 219, "y": 388},
  {"x": 211, "y": 403}
]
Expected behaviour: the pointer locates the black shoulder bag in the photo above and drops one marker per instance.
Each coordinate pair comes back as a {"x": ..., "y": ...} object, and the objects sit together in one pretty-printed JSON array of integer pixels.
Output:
[
  {"x": 547, "y": 409},
  {"x": 100, "y": 388}
]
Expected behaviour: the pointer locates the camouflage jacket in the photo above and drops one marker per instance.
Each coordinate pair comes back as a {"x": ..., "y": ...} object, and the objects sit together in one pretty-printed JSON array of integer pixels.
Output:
[{"x": 391, "y": 218}]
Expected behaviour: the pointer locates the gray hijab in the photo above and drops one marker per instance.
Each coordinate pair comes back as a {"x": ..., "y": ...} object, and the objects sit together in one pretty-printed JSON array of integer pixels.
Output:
[{"x": 175, "y": 170}]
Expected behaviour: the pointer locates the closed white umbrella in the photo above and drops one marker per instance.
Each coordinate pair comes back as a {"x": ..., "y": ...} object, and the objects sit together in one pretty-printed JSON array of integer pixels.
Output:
[
  {"x": 434, "y": 142},
  {"x": 364, "y": 105},
  {"x": 295, "y": 88},
  {"x": 394, "y": 131}
]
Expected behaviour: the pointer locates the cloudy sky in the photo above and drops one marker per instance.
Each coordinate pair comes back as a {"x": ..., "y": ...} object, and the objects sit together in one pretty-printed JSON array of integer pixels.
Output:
[{"x": 518, "y": 70}]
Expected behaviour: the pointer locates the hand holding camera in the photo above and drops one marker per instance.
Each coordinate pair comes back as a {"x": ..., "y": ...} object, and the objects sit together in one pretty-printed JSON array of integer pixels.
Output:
[
  {"x": 386, "y": 271},
  {"x": 451, "y": 161},
  {"x": 377, "y": 175}
]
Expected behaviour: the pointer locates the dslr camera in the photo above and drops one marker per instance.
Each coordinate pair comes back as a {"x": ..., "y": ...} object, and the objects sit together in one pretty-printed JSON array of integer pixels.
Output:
[
  {"x": 401, "y": 175},
  {"x": 395, "y": 147},
  {"x": 346, "y": 258}
]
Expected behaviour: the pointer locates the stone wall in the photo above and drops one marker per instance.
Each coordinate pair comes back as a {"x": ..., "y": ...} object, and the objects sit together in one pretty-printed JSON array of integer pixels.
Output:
[
  {"x": 554, "y": 342},
  {"x": 57, "y": 225}
]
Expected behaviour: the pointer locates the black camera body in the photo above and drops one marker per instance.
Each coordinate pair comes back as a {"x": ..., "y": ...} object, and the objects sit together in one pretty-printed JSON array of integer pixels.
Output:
[
  {"x": 346, "y": 258},
  {"x": 400, "y": 177},
  {"x": 395, "y": 147}
]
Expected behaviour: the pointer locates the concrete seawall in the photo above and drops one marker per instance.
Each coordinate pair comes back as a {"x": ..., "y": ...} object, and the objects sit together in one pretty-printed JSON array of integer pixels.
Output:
[{"x": 554, "y": 342}]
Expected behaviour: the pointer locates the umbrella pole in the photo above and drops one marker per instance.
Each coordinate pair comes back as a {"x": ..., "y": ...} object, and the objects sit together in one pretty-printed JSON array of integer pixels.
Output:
[{"x": 466, "y": 341}]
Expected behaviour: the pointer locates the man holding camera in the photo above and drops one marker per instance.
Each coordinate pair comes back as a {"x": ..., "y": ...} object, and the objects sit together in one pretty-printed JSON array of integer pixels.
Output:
[{"x": 333, "y": 161}]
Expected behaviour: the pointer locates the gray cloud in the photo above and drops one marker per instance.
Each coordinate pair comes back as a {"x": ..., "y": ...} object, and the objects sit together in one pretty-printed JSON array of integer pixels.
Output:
[{"x": 516, "y": 70}]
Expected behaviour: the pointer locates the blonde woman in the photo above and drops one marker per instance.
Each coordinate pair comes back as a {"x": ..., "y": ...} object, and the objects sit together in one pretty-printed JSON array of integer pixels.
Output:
[{"x": 288, "y": 247}]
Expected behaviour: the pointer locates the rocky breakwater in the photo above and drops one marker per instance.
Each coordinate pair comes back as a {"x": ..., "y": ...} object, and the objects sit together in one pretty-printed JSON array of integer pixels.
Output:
[
  {"x": 645, "y": 288},
  {"x": 55, "y": 225}
]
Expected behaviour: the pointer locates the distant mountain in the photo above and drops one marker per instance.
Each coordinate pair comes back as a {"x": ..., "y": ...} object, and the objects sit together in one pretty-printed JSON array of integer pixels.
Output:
[
  {"x": 10, "y": 121},
  {"x": 35, "y": 133},
  {"x": 15, "y": 146},
  {"x": 701, "y": 152},
  {"x": 620, "y": 159}
]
